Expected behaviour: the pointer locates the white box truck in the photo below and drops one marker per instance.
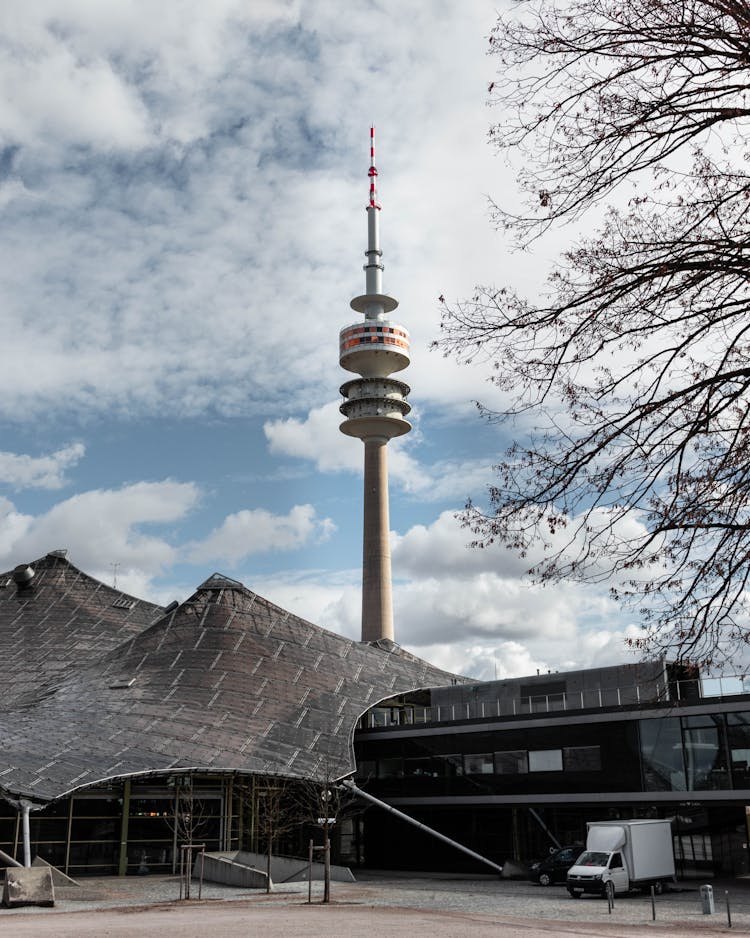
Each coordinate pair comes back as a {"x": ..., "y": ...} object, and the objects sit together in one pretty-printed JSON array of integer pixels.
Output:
[{"x": 623, "y": 855}]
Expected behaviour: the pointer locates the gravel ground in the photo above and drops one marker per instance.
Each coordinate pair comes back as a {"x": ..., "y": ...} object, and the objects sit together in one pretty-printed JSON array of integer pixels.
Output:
[{"x": 377, "y": 905}]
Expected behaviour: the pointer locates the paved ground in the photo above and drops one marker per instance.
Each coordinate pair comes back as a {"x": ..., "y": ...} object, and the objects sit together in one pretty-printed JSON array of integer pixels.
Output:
[{"x": 374, "y": 907}]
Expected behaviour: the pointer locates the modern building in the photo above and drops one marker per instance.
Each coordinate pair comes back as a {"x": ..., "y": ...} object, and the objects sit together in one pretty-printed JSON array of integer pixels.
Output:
[
  {"x": 111, "y": 704},
  {"x": 512, "y": 768},
  {"x": 375, "y": 409}
]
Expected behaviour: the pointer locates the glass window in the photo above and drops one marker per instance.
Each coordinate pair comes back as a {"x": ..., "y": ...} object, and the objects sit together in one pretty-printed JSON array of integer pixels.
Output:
[
  {"x": 365, "y": 769},
  {"x": 661, "y": 754},
  {"x": 480, "y": 763},
  {"x": 390, "y": 768},
  {"x": 545, "y": 760},
  {"x": 582, "y": 759},
  {"x": 380, "y": 716},
  {"x": 738, "y": 740},
  {"x": 450, "y": 766},
  {"x": 511, "y": 763},
  {"x": 705, "y": 761},
  {"x": 419, "y": 766}
]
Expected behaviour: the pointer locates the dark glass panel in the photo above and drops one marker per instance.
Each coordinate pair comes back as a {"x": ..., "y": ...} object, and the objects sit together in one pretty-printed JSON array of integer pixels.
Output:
[
  {"x": 661, "y": 755},
  {"x": 705, "y": 758},
  {"x": 479, "y": 763},
  {"x": 390, "y": 768},
  {"x": 424, "y": 767},
  {"x": 450, "y": 766},
  {"x": 582, "y": 759},
  {"x": 511, "y": 763},
  {"x": 738, "y": 741}
]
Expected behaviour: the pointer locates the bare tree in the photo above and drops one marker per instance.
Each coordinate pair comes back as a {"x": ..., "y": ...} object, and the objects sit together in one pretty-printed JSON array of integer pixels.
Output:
[
  {"x": 277, "y": 812},
  {"x": 324, "y": 802},
  {"x": 188, "y": 822},
  {"x": 634, "y": 369}
]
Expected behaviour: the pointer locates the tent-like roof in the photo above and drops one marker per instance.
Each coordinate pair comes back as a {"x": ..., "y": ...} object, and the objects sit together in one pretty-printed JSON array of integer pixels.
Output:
[
  {"x": 63, "y": 618},
  {"x": 226, "y": 681}
]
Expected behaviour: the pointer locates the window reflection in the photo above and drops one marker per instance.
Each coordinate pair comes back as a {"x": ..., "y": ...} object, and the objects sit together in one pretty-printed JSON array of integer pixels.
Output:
[
  {"x": 705, "y": 762},
  {"x": 661, "y": 755},
  {"x": 738, "y": 740}
]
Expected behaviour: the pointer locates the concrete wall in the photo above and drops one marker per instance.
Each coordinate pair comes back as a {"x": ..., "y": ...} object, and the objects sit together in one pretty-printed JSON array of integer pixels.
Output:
[
  {"x": 283, "y": 869},
  {"x": 223, "y": 868}
]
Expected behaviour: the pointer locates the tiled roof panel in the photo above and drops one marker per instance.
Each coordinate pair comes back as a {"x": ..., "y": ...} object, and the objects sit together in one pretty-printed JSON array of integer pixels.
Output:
[{"x": 227, "y": 680}]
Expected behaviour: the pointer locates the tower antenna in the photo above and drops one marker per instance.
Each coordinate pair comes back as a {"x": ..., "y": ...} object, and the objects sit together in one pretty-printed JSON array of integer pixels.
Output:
[{"x": 372, "y": 172}]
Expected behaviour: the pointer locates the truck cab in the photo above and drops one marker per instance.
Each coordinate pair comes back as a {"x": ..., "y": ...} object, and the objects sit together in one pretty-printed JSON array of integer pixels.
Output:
[{"x": 598, "y": 872}]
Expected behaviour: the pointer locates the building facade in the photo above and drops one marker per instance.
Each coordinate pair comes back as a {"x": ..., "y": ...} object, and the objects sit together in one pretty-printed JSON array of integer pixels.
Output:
[
  {"x": 512, "y": 768},
  {"x": 115, "y": 708}
]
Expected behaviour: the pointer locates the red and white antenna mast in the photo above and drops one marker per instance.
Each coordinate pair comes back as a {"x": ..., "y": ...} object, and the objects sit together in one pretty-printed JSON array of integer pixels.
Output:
[
  {"x": 372, "y": 172},
  {"x": 373, "y": 304}
]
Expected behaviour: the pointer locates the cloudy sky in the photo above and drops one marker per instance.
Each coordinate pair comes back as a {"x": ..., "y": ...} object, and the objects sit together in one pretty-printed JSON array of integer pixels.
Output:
[{"x": 182, "y": 193}]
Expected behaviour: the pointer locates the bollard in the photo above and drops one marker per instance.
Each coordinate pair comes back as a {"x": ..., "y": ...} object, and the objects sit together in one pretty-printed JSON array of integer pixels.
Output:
[
  {"x": 707, "y": 899},
  {"x": 729, "y": 911},
  {"x": 653, "y": 905}
]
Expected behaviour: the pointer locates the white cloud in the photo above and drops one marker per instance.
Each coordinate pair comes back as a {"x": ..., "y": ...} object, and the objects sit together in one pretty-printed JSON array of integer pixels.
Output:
[
  {"x": 454, "y": 594},
  {"x": 442, "y": 549},
  {"x": 486, "y": 662},
  {"x": 168, "y": 162},
  {"x": 101, "y": 528},
  {"x": 20, "y": 471},
  {"x": 13, "y": 526},
  {"x": 329, "y": 599},
  {"x": 254, "y": 531},
  {"x": 111, "y": 75},
  {"x": 318, "y": 439},
  {"x": 478, "y": 625},
  {"x": 461, "y": 608},
  {"x": 468, "y": 611},
  {"x": 65, "y": 100}
]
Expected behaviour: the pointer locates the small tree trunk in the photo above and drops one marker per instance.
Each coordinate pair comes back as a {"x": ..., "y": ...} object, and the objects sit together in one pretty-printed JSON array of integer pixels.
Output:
[
  {"x": 326, "y": 863},
  {"x": 268, "y": 865}
]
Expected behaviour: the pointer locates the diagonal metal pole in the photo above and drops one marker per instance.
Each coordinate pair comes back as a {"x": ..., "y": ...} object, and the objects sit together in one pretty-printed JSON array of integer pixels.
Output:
[{"x": 410, "y": 820}]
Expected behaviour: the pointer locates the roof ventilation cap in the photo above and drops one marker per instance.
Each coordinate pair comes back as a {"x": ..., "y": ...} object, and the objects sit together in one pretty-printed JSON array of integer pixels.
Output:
[{"x": 23, "y": 574}]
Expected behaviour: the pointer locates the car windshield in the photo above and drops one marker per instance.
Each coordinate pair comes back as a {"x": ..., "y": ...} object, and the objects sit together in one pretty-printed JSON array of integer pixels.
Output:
[{"x": 592, "y": 858}]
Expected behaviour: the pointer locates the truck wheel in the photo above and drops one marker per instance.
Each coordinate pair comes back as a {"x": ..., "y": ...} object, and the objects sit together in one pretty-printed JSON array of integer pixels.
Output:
[
  {"x": 658, "y": 888},
  {"x": 545, "y": 879},
  {"x": 574, "y": 893}
]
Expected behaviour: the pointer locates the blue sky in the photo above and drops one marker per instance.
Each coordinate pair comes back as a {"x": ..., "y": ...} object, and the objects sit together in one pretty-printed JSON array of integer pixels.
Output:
[{"x": 182, "y": 193}]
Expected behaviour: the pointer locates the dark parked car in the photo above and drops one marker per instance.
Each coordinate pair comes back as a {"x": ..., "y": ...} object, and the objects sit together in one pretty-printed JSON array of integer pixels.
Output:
[{"x": 552, "y": 869}]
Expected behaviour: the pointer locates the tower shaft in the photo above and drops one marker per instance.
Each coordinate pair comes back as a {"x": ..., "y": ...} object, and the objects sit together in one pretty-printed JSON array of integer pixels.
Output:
[{"x": 377, "y": 599}]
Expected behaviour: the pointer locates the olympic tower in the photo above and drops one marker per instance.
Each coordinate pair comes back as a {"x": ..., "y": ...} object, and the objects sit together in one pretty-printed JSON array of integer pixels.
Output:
[{"x": 375, "y": 409}]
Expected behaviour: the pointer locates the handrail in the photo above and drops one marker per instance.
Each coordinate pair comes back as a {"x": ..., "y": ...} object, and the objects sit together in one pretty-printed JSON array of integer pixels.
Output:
[{"x": 704, "y": 688}]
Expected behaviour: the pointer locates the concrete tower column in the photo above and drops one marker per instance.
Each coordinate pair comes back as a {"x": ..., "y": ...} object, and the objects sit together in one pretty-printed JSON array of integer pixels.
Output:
[{"x": 377, "y": 600}]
